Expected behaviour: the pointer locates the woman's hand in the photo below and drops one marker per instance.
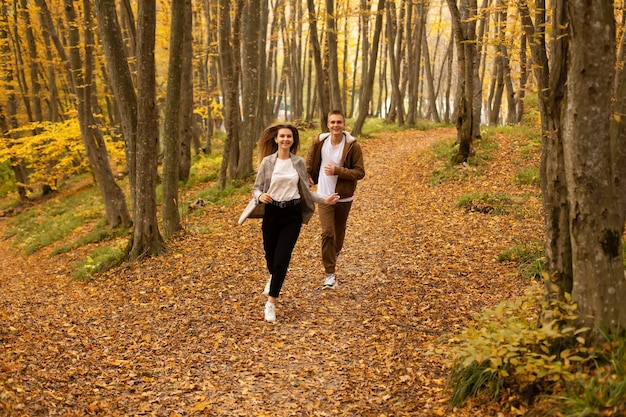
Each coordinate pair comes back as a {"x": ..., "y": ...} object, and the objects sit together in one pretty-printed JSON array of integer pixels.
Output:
[
  {"x": 332, "y": 199},
  {"x": 265, "y": 198}
]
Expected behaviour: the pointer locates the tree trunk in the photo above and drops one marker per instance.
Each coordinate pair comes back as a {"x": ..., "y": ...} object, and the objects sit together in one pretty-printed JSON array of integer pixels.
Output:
[
  {"x": 364, "y": 29},
  {"x": 321, "y": 81},
  {"x": 188, "y": 131},
  {"x": 394, "y": 36},
  {"x": 596, "y": 226},
  {"x": 494, "y": 101},
  {"x": 112, "y": 195},
  {"x": 618, "y": 130},
  {"x": 333, "y": 65},
  {"x": 430, "y": 84},
  {"x": 464, "y": 37},
  {"x": 147, "y": 239},
  {"x": 448, "y": 113},
  {"x": 172, "y": 128},
  {"x": 121, "y": 83},
  {"x": 33, "y": 66},
  {"x": 366, "y": 95},
  {"x": 229, "y": 71},
  {"x": 523, "y": 79},
  {"x": 250, "y": 85},
  {"x": 9, "y": 117},
  {"x": 414, "y": 59},
  {"x": 551, "y": 81}
]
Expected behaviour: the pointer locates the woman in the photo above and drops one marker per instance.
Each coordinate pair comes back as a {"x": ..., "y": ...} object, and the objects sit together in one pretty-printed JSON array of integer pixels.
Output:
[{"x": 282, "y": 185}]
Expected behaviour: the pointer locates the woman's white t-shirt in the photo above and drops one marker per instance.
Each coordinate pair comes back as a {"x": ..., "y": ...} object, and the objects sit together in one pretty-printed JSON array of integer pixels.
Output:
[{"x": 284, "y": 184}]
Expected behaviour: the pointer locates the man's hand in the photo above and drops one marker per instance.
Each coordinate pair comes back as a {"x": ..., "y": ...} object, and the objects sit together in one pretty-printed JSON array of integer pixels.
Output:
[{"x": 329, "y": 170}]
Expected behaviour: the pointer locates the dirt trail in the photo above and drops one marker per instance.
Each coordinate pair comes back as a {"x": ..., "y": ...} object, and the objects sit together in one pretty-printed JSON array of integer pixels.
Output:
[{"x": 183, "y": 334}]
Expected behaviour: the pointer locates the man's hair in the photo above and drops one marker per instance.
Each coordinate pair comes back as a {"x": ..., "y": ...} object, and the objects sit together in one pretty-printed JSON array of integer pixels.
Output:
[{"x": 336, "y": 112}]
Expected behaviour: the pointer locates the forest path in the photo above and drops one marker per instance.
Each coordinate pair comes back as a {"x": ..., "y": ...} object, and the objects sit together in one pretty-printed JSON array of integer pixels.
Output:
[{"x": 183, "y": 334}]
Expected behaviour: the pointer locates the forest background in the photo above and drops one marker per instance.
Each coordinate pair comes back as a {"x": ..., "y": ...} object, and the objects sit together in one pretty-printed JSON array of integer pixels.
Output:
[{"x": 98, "y": 87}]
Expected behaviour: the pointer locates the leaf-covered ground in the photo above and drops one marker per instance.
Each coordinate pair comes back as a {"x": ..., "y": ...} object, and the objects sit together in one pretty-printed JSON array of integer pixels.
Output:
[{"x": 183, "y": 334}]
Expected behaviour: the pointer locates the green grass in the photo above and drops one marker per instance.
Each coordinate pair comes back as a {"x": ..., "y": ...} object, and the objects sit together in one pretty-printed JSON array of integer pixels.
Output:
[
  {"x": 530, "y": 257},
  {"x": 100, "y": 260},
  {"x": 444, "y": 158},
  {"x": 527, "y": 176},
  {"x": 488, "y": 203},
  {"x": 54, "y": 220},
  {"x": 101, "y": 232}
]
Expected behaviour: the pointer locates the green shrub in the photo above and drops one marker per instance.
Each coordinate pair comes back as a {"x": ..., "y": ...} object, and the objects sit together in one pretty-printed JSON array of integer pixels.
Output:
[
  {"x": 509, "y": 347},
  {"x": 7, "y": 179},
  {"x": 601, "y": 391}
]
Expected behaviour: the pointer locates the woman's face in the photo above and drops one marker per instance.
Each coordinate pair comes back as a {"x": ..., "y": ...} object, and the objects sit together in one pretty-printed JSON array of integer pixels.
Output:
[{"x": 284, "y": 138}]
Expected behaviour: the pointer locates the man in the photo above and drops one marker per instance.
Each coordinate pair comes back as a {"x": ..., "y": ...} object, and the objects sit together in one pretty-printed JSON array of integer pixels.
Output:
[{"x": 335, "y": 163}]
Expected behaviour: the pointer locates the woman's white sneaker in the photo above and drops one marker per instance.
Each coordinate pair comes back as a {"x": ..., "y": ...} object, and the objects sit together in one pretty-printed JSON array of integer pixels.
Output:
[
  {"x": 266, "y": 291},
  {"x": 270, "y": 312}
]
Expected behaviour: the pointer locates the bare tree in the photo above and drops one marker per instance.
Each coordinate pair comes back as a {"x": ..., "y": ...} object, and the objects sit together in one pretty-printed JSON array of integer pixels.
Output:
[
  {"x": 139, "y": 117},
  {"x": 368, "y": 85},
  {"x": 250, "y": 84},
  {"x": 595, "y": 219},
  {"x": 80, "y": 75},
  {"x": 333, "y": 65},
  {"x": 551, "y": 80},
  {"x": 464, "y": 26},
  {"x": 228, "y": 35},
  {"x": 147, "y": 239},
  {"x": 172, "y": 117},
  {"x": 321, "y": 80},
  {"x": 188, "y": 132}
]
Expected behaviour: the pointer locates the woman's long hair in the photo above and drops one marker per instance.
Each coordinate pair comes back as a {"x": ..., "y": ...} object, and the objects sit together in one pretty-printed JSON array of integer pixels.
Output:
[{"x": 267, "y": 143}]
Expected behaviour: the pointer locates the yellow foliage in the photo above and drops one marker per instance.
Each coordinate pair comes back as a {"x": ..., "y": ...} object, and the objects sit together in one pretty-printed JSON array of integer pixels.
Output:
[{"x": 51, "y": 150}]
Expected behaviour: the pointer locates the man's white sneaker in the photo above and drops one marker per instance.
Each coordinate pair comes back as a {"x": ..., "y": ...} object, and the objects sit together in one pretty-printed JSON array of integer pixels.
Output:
[
  {"x": 266, "y": 291},
  {"x": 330, "y": 282},
  {"x": 270, "y": 312}
]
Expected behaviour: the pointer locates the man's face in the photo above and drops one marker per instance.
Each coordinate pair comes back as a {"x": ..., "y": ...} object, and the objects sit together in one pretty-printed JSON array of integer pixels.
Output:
[{"x": 335, "y": 123}]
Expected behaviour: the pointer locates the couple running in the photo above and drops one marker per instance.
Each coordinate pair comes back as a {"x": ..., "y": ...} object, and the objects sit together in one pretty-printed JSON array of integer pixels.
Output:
[{"x": 335, "y": 163}]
